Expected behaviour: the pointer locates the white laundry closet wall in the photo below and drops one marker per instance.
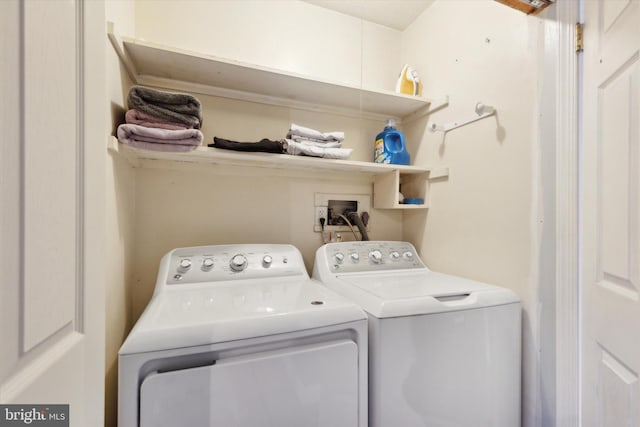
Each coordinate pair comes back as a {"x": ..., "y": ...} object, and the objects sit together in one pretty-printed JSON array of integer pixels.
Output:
[
  {"x": 483, "y": 220},
  {"x": 486, "y": 219}
]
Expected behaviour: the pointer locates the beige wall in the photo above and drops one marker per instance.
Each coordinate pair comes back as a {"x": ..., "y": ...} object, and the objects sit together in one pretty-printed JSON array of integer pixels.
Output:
[
  {"x": 217, "y": 209},
  {"x": 289, "y": 35},
  {"x": 484, "y": 220}
]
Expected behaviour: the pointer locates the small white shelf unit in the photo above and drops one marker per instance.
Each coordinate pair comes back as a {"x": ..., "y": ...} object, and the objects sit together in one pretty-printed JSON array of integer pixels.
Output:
[
  {"x": 386, "y": 178},
  {"x": 157, "y": 65}
]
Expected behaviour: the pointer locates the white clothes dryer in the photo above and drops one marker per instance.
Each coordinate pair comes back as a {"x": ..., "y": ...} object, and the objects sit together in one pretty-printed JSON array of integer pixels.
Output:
[
  {"x": 239, "y": 335},
  {"x": 443, "y": 350}
]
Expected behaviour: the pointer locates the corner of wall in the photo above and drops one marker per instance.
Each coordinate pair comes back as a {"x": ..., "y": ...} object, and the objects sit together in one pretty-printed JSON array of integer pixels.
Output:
[{"x": 120, "y": 191}]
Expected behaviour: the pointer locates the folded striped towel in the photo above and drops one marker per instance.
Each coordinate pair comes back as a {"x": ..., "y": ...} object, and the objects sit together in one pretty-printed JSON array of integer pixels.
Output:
[
  {"x": 136, "y": 117},
  {"x": 300, "y": 149},
  {"x": 159, "y": 139}
]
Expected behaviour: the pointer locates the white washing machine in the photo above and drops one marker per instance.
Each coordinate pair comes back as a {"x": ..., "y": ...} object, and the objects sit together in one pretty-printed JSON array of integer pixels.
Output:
[
  {"x": 239, "y": 335},
  {"x": 443, "y": 350}
]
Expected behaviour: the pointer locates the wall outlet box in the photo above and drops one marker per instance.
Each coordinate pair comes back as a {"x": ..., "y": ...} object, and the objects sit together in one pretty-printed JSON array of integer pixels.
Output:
[
  {"x": 339, "y": 202},
  {"x": 321, "y": 212}
]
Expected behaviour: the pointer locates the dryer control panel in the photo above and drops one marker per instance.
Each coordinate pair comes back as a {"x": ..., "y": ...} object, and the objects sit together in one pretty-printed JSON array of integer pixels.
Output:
[
  {"x": 229, "y": 262},
  {"x": 351, "y": 257}
]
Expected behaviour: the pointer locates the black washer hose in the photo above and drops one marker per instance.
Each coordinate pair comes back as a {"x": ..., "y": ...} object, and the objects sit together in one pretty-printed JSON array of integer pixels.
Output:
[{"x": 355, "y": 219}]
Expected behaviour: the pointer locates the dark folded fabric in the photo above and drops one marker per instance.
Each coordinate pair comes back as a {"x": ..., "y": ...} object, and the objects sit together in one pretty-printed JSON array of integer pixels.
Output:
[
  {"x": 170, "y": 106},
  {"x": 264, "y": 145}
]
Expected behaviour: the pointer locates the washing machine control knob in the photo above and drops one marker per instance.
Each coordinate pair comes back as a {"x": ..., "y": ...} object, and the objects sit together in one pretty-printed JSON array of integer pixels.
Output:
[
  {"x": 395, "y": 255},
  {"x": 238, "y": 262},
  {"x": 207, "y": 264},
  {"x": 339, "y": 257},
  {"x": 354, "y": 257},
  {"x": 266, "y": 261},
  {"x": 375, "y": 256},
  {"x": 408, "y": 255},
  {"x": 184, "y": 265}
]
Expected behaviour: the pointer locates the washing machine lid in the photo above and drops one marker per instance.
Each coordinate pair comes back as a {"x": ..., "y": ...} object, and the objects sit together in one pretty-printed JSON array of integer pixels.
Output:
[
  {"x": 229, "y": 311},
  {"x": 407, "y": 293}
]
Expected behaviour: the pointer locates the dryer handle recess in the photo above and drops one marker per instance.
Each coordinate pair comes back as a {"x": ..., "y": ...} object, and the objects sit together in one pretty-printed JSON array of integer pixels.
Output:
[{"x": 453, "y": 299}]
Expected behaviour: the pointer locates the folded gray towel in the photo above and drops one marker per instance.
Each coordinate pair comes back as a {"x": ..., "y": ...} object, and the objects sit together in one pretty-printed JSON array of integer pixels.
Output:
[
  {"x": 159, "y": 139},
  {"x": 136, "y": 117},
  {"x": 173, "y": 107}
]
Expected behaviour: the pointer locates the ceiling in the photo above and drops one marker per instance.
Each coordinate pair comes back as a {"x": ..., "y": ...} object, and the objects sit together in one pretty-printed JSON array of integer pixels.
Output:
[{"x": 397, "y": 14}]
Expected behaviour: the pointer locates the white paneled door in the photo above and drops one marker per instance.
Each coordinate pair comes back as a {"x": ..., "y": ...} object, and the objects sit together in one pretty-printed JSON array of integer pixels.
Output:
[
  {"x": 51, "y": 196},
  {"x": 611, "y": 221}
]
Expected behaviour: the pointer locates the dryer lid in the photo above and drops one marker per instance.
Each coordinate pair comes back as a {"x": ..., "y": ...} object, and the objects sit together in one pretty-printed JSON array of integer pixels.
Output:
[
  {"x": 234, "y": 311},
  {"x": 407, "y": 293}
]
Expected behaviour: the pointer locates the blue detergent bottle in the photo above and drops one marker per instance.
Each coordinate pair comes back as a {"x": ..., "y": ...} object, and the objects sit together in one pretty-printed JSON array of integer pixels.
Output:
[{"x": 390, "y": 147}]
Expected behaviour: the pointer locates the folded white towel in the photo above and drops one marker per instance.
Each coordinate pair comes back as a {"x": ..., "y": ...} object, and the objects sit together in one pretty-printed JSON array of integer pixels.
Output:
[
  {"x": 159, "y": 139},
  {"x": 299, "y": 149},
  {"x": 316, "y": 143},
  {"x": 314, "y": 134}
]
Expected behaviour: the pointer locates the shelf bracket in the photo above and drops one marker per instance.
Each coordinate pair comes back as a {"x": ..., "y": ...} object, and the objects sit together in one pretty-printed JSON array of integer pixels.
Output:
[
  {"x": 481, "y": 111},
  {"x": 438, "y": 173},
  {"x": 118, "y": 46},
  {"x": 434, "y": 105}
]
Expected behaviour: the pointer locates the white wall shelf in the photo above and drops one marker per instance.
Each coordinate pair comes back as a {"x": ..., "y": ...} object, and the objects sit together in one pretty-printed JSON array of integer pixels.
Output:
[
  {"x": 386, "y": 178},
  {"x": 297, "y": 165},
  {"x": 157, "y": 65}
]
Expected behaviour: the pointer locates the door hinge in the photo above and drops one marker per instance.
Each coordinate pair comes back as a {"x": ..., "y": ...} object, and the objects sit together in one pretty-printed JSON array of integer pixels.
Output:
[{"x": 579, "y": 37}]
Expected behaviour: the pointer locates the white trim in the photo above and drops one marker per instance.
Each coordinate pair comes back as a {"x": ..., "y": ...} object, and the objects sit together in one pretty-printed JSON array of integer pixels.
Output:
[
  {"x": 80, "y": 165},
  {"x": 567, "y": 220},
  {"x": 94, "y": 125}
]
